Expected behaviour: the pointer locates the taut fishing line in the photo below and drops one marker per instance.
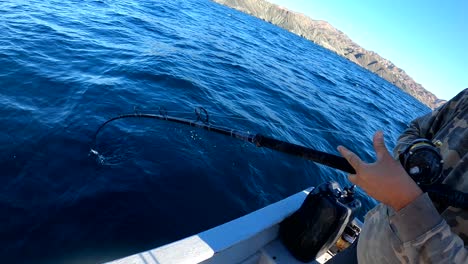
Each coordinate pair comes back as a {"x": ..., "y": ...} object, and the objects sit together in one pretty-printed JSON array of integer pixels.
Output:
[
  {"x": 239, "y": 118},
  {"x": 203, "y": 121},
  {"x": 416, "y": 167}
]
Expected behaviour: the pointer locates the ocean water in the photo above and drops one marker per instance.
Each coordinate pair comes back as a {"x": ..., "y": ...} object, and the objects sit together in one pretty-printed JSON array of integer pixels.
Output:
[{"x": 68, "y": 66}]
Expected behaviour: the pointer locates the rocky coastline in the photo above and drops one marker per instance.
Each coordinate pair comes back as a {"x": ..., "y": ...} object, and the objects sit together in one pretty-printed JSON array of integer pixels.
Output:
[{"x": 325, "y": 35}]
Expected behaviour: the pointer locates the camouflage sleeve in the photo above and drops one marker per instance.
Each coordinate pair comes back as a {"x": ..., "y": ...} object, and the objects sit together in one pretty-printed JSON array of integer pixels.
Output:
[
  {"x": 425, "y": 236},
  {"x": 427, "y": 126}
]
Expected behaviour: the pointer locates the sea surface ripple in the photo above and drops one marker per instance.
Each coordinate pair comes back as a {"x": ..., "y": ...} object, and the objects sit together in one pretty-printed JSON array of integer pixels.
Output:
[{"x": 68, "y": 66}]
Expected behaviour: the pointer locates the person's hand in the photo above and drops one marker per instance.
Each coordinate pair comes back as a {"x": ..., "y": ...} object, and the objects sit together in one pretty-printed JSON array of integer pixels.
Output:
[{"x": 385, "y": 180}]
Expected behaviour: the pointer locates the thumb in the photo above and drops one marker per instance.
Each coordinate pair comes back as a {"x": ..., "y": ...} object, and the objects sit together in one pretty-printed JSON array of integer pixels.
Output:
[
  {"x": 352, "y": 158},
  {"x": 353, "y": 179},
  {"x": 379, "y": 146}
]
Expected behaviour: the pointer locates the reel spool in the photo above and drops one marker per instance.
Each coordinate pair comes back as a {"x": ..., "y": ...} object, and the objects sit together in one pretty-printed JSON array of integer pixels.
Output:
[{"x": 423, "y": 162}]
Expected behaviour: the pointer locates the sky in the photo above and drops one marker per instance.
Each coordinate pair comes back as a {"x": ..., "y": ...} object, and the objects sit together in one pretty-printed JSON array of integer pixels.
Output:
[{"x": 428, "y": 39}]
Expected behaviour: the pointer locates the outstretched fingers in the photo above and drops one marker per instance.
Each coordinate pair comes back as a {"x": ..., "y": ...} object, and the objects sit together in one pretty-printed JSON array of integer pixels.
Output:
[{"x": 379, "y": 146}]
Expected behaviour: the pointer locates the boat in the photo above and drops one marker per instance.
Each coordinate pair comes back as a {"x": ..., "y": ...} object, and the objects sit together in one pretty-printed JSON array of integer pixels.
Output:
[
  {"x": 307, "y": 227},
  {"x": 253, "y": 238}
]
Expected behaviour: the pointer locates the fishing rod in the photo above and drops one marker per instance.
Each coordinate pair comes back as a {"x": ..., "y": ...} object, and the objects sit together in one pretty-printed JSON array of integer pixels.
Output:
[
  {"x": 420, "y": 155},
  {"x": 259, "y": 140}
]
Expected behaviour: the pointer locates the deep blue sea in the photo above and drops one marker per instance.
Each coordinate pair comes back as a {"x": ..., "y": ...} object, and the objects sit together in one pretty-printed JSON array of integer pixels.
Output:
[{"x": 68, "y": 66}]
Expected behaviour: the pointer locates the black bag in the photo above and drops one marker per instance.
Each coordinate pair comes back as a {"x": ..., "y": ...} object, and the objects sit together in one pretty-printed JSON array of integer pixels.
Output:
[{"x": 317, "y": 225}]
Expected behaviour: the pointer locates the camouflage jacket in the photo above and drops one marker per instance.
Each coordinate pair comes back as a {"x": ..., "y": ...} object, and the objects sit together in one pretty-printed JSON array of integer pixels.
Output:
[{"x": 422, "y": 232}]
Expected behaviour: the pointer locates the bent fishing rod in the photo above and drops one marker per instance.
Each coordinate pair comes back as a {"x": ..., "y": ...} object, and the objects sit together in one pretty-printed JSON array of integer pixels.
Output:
[
  {"x": 437, "y": 191},
  {"x": 259, "y": 140}
]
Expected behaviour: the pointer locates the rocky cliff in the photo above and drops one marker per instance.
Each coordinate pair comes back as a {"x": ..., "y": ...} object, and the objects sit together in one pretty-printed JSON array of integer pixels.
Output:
[{"x": 325, "y": 35}]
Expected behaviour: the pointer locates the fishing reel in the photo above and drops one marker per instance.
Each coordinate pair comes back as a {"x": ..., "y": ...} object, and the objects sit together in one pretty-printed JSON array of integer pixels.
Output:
[{"x": 422, "y": 161}]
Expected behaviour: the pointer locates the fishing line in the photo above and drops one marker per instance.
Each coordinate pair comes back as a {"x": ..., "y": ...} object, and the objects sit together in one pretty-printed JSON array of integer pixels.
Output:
[
  {"x": 283, "y": 125},
  {"x": 238, "y": 118},
  {"x": 203, "y": 121},
  {"x": 439, "y": 192}
]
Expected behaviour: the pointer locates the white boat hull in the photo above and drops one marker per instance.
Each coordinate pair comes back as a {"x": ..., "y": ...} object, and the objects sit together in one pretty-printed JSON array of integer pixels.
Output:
[{"x": 252, "y": 238}]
